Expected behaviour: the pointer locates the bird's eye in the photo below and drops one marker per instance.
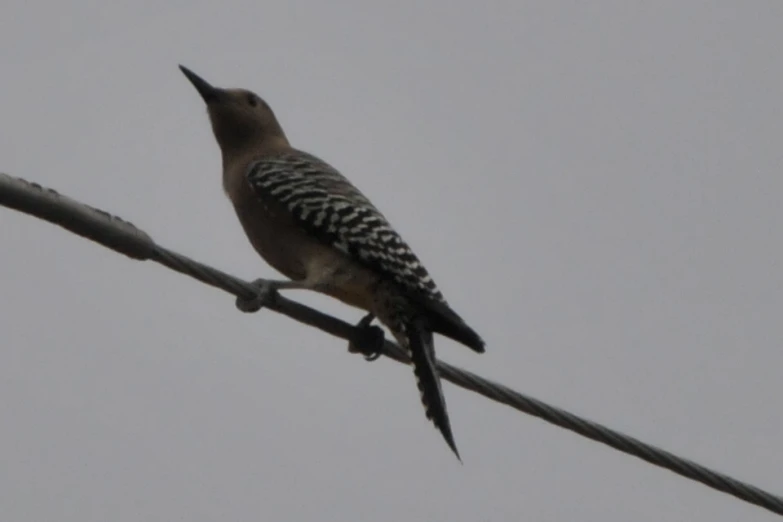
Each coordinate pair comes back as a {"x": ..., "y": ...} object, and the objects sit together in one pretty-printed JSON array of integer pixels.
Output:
[{"x": 252, "y": 99}]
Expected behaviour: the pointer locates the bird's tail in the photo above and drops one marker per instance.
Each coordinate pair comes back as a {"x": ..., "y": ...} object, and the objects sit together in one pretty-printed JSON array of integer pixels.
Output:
[
  {"x": 413, "y": 332},
  {"x": 446, "y": 321}
]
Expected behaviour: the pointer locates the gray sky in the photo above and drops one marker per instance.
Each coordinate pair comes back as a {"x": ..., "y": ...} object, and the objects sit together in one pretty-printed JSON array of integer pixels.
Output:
[{"x": 595, "y": 186}]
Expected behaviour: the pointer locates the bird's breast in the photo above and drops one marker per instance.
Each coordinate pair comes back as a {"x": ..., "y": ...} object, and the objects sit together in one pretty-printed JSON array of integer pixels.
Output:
[{"x": 273, "y": 234}]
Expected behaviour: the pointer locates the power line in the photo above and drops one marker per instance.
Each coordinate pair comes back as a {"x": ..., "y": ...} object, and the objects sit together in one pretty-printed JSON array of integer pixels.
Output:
[{"x": 123, "y": 237}]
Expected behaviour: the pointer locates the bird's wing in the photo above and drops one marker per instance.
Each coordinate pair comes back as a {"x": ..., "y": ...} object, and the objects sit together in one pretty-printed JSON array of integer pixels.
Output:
[{"x": 325, "y": 204}]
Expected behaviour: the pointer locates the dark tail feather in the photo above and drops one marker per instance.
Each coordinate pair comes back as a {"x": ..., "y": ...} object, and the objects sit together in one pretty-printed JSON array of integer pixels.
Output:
[
  {"x": 422, "y": 353},
  {"x": 462, "y": 333},
  {"x": 445, "y": 321}
]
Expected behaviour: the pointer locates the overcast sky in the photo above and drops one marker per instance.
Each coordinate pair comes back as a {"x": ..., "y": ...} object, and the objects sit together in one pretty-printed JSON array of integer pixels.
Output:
[{"x": 595, "y": 186}]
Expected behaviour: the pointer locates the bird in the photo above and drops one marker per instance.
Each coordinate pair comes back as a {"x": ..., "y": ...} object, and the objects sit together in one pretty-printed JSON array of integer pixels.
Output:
[{"x": 311, "y": 224}]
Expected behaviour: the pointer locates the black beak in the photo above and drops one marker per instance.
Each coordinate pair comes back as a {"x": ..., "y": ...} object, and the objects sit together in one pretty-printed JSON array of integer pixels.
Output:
[{"x": 209, "y": 93}]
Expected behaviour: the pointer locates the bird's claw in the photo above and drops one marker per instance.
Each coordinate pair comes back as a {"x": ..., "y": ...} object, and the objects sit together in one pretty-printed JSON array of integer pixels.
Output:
[
  {"x": 265, "y": 293},
  {"x": 367, "y": 339}
]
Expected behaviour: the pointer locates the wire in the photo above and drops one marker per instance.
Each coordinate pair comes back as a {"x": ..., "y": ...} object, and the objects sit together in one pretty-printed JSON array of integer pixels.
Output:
[{"x": 123, "y": 237}]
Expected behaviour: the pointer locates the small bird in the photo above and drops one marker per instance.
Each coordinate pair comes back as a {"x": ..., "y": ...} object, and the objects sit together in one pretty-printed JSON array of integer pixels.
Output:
[{"x": 311, "y": 224}]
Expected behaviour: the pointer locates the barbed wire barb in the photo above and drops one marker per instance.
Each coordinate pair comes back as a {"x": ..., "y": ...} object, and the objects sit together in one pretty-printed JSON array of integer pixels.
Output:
[{"x": 123, "y": 237}]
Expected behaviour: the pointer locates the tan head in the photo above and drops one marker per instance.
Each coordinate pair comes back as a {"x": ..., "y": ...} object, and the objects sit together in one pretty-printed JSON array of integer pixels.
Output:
[{"x": 241, "y": 120}]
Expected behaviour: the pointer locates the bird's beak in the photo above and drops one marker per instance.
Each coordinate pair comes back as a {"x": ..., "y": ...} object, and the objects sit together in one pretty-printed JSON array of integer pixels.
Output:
[{"x": 209, "y": 93}]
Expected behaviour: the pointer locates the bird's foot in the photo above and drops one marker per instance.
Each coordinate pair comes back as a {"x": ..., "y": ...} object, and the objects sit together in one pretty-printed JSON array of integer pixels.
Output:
[
  {"x": 265, "y": 294},
  {"x": 368, "y": 339}
]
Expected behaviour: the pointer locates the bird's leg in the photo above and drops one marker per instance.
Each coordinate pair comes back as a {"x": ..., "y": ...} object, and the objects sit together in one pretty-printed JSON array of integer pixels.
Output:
[
  {"x": 265, "y": 292},
  {"x": 368, "y": 339}
]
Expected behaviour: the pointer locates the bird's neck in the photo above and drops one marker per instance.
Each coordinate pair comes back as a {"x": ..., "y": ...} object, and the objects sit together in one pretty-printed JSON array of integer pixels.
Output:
[{"x": 237, "y": 159}]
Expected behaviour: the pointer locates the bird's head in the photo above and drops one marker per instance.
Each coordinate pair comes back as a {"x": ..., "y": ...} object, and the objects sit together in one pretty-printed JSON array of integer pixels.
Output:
[{"x": 240, "y": 118}]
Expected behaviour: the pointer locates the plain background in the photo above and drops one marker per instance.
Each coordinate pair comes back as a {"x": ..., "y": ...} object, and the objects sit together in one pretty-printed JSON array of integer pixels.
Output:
[{"x": 595, "y": 186}]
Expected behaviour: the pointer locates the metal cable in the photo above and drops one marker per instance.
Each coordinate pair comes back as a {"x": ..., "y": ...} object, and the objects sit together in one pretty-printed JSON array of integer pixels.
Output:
[{"x": 125, "y": 238}]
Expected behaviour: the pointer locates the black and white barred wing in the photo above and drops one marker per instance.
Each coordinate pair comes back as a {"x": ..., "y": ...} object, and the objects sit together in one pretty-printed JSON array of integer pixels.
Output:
[{"x": 325, "y": 204}]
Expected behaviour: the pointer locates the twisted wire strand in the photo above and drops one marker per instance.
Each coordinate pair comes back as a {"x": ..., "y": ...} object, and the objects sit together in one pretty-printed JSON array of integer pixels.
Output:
[{"x": 123, "y": 237}]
